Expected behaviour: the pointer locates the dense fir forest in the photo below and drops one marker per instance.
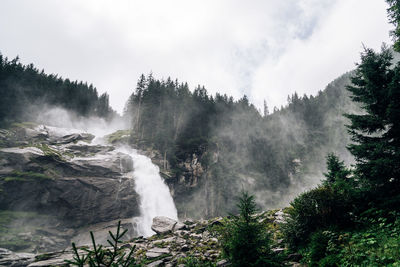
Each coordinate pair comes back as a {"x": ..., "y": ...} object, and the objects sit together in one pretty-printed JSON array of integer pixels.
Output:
[
  {"x": 25, "y": 91},
  {"x": 234, "y": 141}
]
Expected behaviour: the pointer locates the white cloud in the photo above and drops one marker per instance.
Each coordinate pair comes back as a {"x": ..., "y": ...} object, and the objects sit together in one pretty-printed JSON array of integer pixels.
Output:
[
  {"x": 266, "y": 49},
  {"x": 308, "y": 65}
]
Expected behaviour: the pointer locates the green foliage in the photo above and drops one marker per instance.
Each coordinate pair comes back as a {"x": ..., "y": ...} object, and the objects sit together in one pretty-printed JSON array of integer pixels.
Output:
[
  {"x": 394, "y": 18},
  {"x": 376, "y": 133},
  {"x": 191, "y": 261},
  {"x": 26, "y": 176},
  {"x": 378, "y": 244},
  {"x": 331, "y": 205},
  {"x": 364, "y": 230},
  {"x": 49, "y": 152},
  {"x": 318, "y": 248},
  {"x": 320, "y": 208},
  {"x": 244, "y": 239},
  {"x": 99, "y": 256},
  {"x": 337, "y": 171},
  {"x": 375, "y": 243},
  {"x": 118, "y": 136}
]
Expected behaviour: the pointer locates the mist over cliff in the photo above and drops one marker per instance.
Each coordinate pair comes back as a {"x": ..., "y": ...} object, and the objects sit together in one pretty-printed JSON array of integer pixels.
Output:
[
  {"x": 215, "y": 145},
  {"x": 208, "y": 147}
]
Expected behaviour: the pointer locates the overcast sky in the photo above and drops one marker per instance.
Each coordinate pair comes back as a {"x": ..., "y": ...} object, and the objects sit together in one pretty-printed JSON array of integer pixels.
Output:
[{"x": 265, "y": 49}]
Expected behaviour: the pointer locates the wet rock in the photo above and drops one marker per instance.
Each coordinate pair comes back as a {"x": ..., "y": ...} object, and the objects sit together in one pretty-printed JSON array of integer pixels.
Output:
[
  {"x": 278, "y": 250},
  {"x": 279, "y": 217},
  {"x": 223, "y": 263},
  {"x": 163, "y": 225},
  {"x": 103, "y": 165},
  {"x": 77, "y": 200},
  {"x": 17, "y": 158},
  {"x": 155, "y": 263},
  {"x": 9, "y": 258},
  {"x": 83, "y": 149},
  {"x": 157, "y": 252},
  {"x": 58, "y": 260},
  {"x": 4, "y": 252},
  {"x": 75, "y": 137},
  {"x": 179, "y": 226}
]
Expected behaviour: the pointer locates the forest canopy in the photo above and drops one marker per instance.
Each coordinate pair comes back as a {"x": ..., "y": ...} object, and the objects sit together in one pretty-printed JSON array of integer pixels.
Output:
[{"x": 25, "y": 91}]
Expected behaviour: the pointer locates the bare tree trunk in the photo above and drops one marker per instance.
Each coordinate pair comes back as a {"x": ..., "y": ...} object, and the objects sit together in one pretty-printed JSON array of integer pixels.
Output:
[
  {"x": 138, "y": 117},
  {"x": 165, "y": 160}
]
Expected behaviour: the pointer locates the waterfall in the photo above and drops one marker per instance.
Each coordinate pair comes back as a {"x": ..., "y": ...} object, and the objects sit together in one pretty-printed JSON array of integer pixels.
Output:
[{"x": 155, "y": 197}]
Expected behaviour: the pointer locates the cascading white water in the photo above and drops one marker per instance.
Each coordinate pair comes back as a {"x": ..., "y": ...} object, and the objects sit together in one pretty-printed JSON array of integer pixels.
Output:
[{"x": 155, "y": 198}]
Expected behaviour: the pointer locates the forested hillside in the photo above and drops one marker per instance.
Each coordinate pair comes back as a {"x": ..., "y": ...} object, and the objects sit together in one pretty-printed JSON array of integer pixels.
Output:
[
  {"x": 25, "y": 91},
  {"x": 275, "y": 155}
]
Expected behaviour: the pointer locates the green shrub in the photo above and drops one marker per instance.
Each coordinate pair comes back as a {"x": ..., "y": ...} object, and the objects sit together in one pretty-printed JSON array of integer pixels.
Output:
[
  {"x": 191, "y": 261},
  {"x": 318, "y": 245},
  {"x": 331, "y": 205},
  {"x": 244, "y": 239},
  {"x": 329, "y": 261},
  {"x": 118, "y": 136},
  {"x": 320, "y": 208},
  {"x": 377, "y": 244}
]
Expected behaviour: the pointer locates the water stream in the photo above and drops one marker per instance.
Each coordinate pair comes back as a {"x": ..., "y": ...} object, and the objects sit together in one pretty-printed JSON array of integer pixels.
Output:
[{"x": 155, "y": 197}]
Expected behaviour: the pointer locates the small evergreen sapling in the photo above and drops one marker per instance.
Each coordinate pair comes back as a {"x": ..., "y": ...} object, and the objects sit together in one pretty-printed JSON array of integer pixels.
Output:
[
  {"x": 244, "y": 238},
  {"x": 113, "y": 256}
]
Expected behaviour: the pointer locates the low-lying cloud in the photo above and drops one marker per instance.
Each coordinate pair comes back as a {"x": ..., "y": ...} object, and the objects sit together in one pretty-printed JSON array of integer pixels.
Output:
[{"x": 265, "y": 49}]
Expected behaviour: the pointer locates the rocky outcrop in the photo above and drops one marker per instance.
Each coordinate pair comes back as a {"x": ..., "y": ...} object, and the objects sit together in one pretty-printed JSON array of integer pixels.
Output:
[
  {"x": 167, "y": 249},
  {"x": 176, "y": 247},
  {"x": 59, "y": 174},
  {"x": 164, "y": 225}
]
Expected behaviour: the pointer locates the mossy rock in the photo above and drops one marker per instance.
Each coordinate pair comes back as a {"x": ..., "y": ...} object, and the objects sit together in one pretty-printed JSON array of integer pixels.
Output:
[
  {"x": 25, "y": 177},
  {"x": 27, "y": 124},
  {"x": 120, "y": 136}
]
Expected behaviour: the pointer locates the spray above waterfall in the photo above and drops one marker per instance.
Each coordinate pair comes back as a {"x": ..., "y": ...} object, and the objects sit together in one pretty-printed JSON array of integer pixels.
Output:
[{"x": 155, "y": 197}]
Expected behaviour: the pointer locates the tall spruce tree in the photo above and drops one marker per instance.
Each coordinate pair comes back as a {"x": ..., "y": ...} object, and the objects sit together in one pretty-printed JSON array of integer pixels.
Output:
[{"x": 376, "y": 135}]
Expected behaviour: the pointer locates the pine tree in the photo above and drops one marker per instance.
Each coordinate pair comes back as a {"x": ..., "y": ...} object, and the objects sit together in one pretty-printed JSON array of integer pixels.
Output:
[
  {"x": 266, "y": 111},
  {"x": 244, "y": 239},
  {"x": 394, "y": 18},
  {"x": 336, "y": 169},
  {"x": 376, "y": 134}
]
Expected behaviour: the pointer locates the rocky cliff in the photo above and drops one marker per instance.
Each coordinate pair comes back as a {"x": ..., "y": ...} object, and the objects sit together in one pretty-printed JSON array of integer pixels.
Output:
[{"x": 56, "y": 182}]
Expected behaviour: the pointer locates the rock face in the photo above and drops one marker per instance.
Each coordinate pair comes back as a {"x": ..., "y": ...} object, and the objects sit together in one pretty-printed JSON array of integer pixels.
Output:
[{"x": 63, "y": 176}]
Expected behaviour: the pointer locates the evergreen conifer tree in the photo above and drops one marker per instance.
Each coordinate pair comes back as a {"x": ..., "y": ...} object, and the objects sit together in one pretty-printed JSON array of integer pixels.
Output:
[
  {"x": 245, "y": 240},
  {"x": 376, "y": 134},
  {"x": 336, "y": 169}
]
